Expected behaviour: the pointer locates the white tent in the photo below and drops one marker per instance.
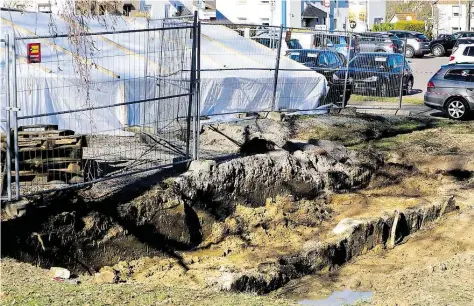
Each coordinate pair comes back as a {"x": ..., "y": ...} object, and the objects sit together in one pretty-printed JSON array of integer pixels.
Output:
[{"x": 121, "y": 70}]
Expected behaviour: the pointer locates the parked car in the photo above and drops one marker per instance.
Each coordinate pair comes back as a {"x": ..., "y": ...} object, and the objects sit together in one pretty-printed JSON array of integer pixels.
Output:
[
  {"x": 463, "y": 54},
  {"x": 451, "y": 90},
  {"x": 442, "y": 36},
  {"x": 462, "y": 41},
  {"x": 336, "y": 42},
  {"x": 271, "y": 40},
  {"x": 379, "y": 42},
  {"x": 417, "y": 43},
  {"x": 446, "y": 42},
  {"x": 328, "y": 63},
  {"x": 380, "y": 74}
]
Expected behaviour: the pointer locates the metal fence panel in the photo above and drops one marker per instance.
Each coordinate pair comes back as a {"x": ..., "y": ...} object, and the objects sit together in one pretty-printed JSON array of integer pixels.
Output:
[{"x": 103, "y": 105}]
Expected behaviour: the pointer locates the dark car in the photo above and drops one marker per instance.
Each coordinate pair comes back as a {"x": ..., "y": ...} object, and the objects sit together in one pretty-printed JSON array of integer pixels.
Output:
[
  {"x": 380, "y": 74},
  {"x": 271, "y": 40},
  {"x": 451, "y": 90},
  {"x": 417, "y": 43},
  {"x": 328, "y": 63},
  {"x": 445, "y": 44},
  {"x": 336, "y": 42},
  {"x": 379, "y": 42}
]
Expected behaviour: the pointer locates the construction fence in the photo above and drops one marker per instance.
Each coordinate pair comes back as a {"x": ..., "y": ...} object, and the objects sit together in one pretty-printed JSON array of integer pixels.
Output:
[{"x": 109, "y": 104}]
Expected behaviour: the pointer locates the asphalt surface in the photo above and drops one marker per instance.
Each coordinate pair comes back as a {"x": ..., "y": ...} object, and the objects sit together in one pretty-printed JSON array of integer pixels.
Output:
[{"x": 423, "y": 69}]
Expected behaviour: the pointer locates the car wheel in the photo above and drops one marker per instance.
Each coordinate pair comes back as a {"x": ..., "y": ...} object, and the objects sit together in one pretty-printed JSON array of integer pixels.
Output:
[
  {"x": 409, "y": 52},
  {"x": 438, "y": 50},
  {"x": 409, "y": 86},
  {"x": 457, "y": 109}
]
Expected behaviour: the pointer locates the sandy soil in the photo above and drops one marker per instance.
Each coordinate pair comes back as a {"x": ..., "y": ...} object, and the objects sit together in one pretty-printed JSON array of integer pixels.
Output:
[
  {"x": 434, "y": 267},
  {"x": 423, "y": 166}
]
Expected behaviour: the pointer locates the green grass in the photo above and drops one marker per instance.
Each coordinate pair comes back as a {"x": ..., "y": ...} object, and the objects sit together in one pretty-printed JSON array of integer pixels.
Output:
[{"x": 395, "y": 100}]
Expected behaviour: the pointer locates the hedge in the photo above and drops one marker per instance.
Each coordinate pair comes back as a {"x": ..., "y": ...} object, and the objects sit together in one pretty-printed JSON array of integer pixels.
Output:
[{"x": 414, "y": 25}]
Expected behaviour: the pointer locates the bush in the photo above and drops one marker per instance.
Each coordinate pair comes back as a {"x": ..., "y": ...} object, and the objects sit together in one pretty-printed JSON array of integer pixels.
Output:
[
  {"x": 414, "y": 25},
  {"x": 383, "y": 27}
]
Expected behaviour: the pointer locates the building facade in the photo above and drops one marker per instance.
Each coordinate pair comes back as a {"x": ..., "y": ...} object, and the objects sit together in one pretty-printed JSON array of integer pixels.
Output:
[
  {"x": 450, "y": 17},
  {"x": 365, "y": 13},
  {"x": 262, "y": 12}
]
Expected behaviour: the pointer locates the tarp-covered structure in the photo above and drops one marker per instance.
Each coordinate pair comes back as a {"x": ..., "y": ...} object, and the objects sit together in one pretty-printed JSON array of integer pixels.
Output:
[{"x": 115, "y": 79}]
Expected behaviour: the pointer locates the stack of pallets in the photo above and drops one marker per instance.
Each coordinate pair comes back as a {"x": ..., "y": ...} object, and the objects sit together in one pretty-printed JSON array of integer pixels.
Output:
[{"x": 46, "y": 154}]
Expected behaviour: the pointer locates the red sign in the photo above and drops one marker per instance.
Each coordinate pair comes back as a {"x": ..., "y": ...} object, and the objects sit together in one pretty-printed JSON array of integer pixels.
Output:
[{"x": 34, "y": 53}]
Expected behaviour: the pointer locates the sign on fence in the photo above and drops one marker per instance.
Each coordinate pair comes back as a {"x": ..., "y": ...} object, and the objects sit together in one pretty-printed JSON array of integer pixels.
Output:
[{"x": 34, "y": 53}]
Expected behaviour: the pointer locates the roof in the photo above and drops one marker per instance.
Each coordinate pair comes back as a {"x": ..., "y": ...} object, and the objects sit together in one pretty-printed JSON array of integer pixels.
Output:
[
  {"x": 379, "y": 54},
  {"x": 312, "y": 50},
  {"x": 464, "y": 65},
  {"x": 404, "y": 16},
  {"x": 311, "y": 11},
  {"x": 455, "y": 2}
]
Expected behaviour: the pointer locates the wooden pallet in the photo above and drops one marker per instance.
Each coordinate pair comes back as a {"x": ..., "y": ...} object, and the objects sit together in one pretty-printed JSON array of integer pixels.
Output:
[{"x": 44, "y": 151}]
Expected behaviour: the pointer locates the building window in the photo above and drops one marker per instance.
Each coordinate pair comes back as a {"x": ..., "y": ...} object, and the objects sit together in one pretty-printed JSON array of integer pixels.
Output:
[
  {"x": 455, "y": 29},
  {"x": 241, "y": 1},
  {"x": 265, "y": 21},
  {"x": 264, "y": 1},
  {"x": 44, "y": 8},
  {"x": 242, "y": 18},
  {"x": 317, "y": 20},
  {"x": 455, "y": 10},
  {"x": 127, "y": 8}
]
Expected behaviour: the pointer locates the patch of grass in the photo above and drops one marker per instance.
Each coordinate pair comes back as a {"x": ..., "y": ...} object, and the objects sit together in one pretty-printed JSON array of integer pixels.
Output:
[{"x": 394, "y": 100}]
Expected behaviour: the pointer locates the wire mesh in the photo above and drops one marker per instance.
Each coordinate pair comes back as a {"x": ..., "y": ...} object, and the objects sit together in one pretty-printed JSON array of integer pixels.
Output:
[{"x": 103, "y": 105}]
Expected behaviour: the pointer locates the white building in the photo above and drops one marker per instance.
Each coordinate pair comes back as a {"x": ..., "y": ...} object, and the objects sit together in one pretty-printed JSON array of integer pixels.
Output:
[
  {"x": 450, "y": 17},
  {"x": 262, "y": 12},
  {"x": 365, "y": 13}
]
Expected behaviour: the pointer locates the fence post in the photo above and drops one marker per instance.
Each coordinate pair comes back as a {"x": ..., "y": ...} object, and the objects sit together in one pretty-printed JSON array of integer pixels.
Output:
[
  {"x": 277, "y": 67},
  {"x": 8, "y": 128},
  {"x": 143, "y": 106},
  {"x": 346, "y": 76},
  {"x": 15, "y": 109},
  {"x": 402, "y": 75},
  {"x": 192, "y": 86},
  {"x": 198, "y": 94}
]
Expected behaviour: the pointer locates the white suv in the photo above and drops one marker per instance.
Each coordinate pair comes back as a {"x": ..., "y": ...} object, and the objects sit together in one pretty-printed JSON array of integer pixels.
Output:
[{"x": 463, "y": 54}]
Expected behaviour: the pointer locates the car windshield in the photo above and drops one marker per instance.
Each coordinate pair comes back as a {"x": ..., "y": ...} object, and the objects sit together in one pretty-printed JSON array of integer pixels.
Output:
[
  {"x": 308, "y": 57},
  {"x": 422, "y": 37},
  {"x": 369, "y": 61}
]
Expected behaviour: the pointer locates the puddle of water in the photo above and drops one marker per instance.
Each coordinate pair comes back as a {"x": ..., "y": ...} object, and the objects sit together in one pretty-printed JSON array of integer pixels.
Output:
[{"x": 339, "y": 298}]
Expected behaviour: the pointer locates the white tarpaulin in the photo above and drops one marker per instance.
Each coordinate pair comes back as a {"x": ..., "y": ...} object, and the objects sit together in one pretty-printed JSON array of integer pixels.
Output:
[{"x": 119, "y": 74}]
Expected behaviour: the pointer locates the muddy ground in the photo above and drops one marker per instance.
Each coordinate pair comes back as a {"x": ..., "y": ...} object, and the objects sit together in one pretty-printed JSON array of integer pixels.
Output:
[{"x": 237, "y": 226}]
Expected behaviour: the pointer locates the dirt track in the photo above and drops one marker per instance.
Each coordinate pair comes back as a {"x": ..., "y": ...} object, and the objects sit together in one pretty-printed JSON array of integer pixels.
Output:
[{"x": 422, "y": 167}]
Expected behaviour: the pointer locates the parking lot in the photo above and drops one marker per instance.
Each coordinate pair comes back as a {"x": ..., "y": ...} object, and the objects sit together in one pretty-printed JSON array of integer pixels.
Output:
[{"x": 423, "y": 70}]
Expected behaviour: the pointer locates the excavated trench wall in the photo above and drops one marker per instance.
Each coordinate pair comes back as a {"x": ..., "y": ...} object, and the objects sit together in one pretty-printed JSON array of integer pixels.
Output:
[
  {"x": 178, "y": 213},
  {"x": 358, "y": 237}
]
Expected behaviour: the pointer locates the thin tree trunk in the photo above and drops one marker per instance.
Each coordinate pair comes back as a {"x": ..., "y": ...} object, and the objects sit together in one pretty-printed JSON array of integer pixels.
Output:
[{"x": 468, "y": 15}]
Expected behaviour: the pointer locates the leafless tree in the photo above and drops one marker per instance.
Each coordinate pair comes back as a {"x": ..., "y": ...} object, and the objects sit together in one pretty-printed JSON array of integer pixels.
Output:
[{"x": 468, "y": 14}]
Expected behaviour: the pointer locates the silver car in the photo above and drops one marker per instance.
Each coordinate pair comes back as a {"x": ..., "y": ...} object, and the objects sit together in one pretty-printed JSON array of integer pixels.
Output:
[
  {"x": 417, "y": 43},
  {"x": 379, "y": 42},
  {"x": 451, "y": 90}
]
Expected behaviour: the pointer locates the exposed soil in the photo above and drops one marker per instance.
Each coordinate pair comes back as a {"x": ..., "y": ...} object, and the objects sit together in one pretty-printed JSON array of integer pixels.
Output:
[{"x": 258, "y": 222}]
